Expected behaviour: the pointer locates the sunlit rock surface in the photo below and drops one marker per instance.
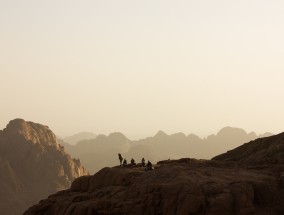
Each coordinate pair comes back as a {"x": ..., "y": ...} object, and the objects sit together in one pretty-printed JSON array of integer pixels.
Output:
[{"x": 32, "y": 166}]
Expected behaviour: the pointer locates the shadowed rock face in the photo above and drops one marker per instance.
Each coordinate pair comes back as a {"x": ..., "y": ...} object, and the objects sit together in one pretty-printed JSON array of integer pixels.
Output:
[
  {"x": 179, "y": 187},
  {"x": 268, "y": 150},
  {"x": 237, "y": 182},
  {"x": 32, "y": 166}
]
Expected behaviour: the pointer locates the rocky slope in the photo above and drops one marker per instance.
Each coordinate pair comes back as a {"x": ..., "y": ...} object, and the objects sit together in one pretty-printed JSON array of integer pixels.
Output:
[
  {"x": 238, "y": 182},
  {"x": 32, "y": 166},
  {"x": 268, "y": 151}
]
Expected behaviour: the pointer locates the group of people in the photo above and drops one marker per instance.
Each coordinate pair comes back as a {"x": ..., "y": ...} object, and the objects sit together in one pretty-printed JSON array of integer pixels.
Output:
[{"x": 123, "y": 162}]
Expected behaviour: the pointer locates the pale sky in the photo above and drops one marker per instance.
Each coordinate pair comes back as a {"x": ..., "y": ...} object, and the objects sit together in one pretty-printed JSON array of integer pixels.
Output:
[{"x": 191, "y": 66}]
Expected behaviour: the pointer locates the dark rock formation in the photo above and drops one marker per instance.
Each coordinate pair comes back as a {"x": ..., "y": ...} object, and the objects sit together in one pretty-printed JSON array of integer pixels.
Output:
[
  {"x": 268, "y": 150},
  {"x": 241, "y": 182},
  {"x": 32, "y": 166}
]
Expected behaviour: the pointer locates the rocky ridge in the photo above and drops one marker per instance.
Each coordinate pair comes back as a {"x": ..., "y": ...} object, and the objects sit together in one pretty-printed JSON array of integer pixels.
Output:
[
  {"x": 237, "y": 182},
  {"x": 266, "y": 151},
  {"x": 32, "y": 165}
]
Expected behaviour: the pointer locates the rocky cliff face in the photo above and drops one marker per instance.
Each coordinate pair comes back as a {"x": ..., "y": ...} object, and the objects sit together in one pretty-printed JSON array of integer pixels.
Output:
[
  {"x": 32, "y": 166},
  {"x": 247, "y": 180}
]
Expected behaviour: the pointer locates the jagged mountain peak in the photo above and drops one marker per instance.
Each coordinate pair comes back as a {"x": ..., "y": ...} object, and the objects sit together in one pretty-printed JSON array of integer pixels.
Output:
[
  {"x": 160, "y": 134},
  {"x": 228, "y": 130},
  {"x": 19, "y": 130},
  {"x": 36, "y": 165},
  {"x": 117, "y": 135},
  {"x": 74, "y": 139}
]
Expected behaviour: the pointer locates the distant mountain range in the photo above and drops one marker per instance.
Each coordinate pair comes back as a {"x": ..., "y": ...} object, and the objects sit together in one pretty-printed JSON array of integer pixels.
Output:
[
  {"x": 99, "y": 152},
  {"x": 102, "y": 151},
  {"x": 34, "y": 163},
  {"x": 74, "y": 139},
  {"x": 32, "y": 166}
]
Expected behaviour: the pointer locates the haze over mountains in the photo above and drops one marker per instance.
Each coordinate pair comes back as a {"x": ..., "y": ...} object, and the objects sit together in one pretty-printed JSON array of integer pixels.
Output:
[
  {"x": 33, "y": 163},
  {"x": 244, "y": 181},
  {"x": 125, "y": 70},
  {"x": 78, "y": 137},
  {"x": 32, "y": 166},
  {"x": 102, "y": 151}
]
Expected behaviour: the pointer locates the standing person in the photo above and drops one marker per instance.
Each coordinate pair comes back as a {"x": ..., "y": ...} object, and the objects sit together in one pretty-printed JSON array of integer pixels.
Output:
[
  {"x": 120, "y": 159},
  {"x": 143, "y": 162}
]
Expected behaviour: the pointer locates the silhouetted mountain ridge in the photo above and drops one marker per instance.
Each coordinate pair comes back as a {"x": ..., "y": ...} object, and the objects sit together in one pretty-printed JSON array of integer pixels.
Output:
[
  {"x": 102, "y": 150},
  {"x": 74, "y": 139},
  {"x": 268, "y": 150}
]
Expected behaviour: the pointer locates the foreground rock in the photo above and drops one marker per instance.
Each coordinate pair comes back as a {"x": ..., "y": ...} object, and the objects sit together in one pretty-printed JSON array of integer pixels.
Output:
[
  {"x": 32, "y": 166},
  {"x": 180, "y": 187},
  {"x": 263, "y": 151}
]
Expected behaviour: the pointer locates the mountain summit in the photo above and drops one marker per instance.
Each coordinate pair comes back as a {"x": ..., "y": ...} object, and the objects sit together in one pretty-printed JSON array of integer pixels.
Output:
[
  {"x": 20, "y": 130},
  {"x": 32, "y": 165}
]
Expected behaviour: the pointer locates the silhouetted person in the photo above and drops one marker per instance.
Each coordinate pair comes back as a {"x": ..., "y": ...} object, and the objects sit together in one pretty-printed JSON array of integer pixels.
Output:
[
  {"x": 143, "y": 162},
  {"x": 149, "y": 166},
  {"x": 124, "y": 162},
  {"x": 120, "y": 159},
  {"x": 133, "y": 162}
]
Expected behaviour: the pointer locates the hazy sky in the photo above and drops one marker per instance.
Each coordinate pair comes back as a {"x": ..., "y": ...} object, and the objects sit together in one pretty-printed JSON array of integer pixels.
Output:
[{"x": 141, "y": 66}]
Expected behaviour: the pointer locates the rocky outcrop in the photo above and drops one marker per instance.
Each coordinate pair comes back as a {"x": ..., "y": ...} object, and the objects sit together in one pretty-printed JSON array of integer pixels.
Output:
[
  {"x": 265, "y": 151},
  {"x": 32, "y": 166},
  {"x": 185, "y": 186},
  {"x": 240, "y": 182}
]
